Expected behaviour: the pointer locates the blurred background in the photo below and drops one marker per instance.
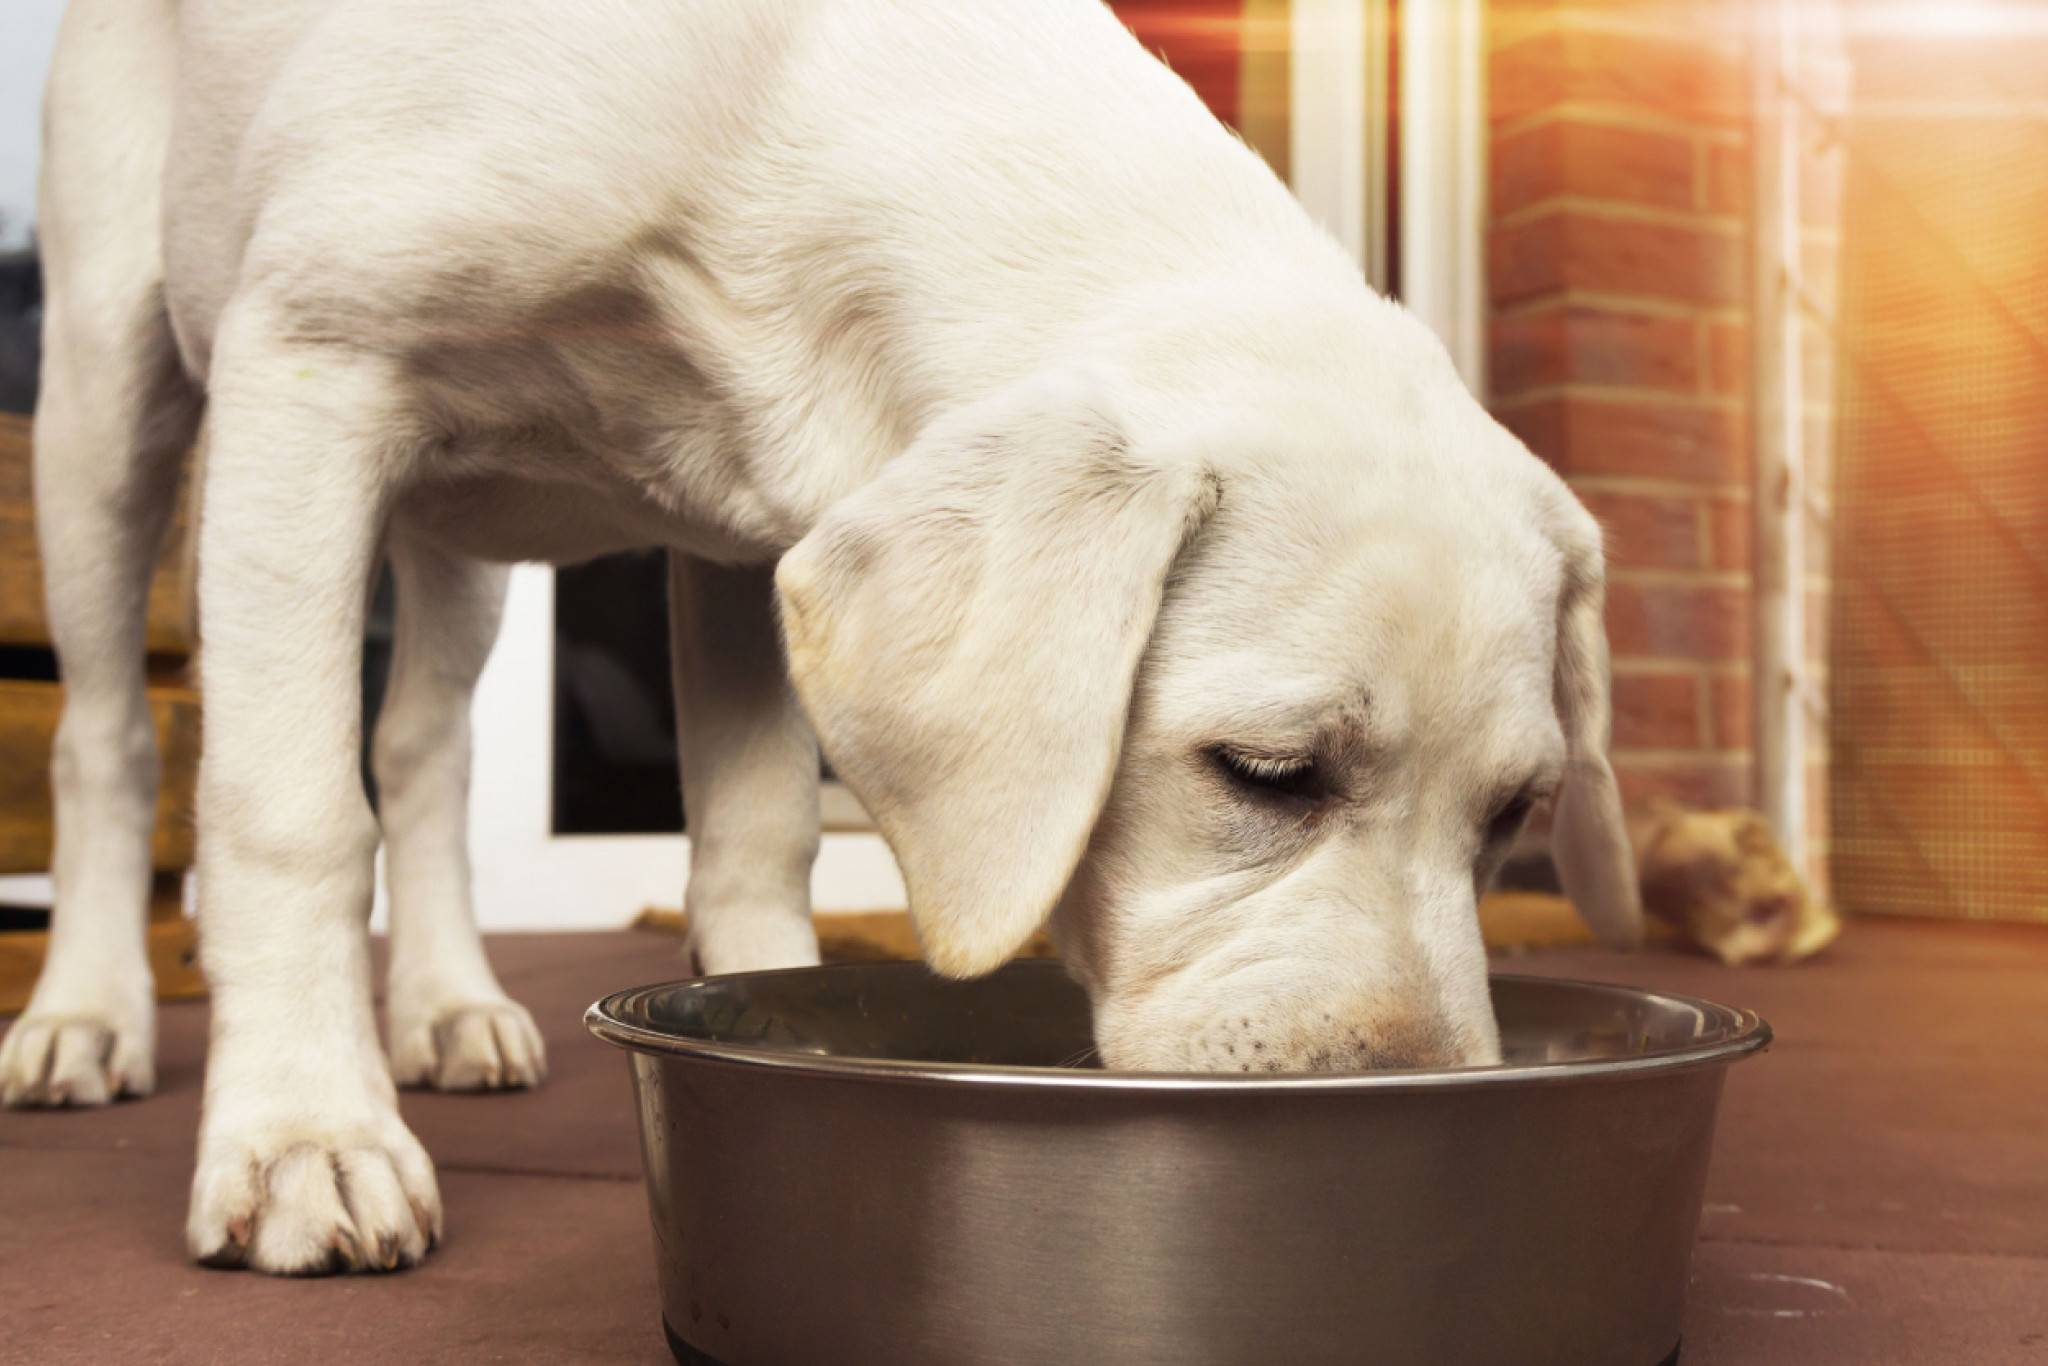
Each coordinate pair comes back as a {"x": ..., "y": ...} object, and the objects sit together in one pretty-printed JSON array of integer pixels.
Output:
[{"x": 1767, "y": 282}]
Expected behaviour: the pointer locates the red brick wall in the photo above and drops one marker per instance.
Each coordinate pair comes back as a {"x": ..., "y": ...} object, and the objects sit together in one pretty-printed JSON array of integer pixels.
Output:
[
  {"x": 1202, "y": 40},
  {"x": 1619, "y": 280},
  {"x": 1618, "y": 277}
]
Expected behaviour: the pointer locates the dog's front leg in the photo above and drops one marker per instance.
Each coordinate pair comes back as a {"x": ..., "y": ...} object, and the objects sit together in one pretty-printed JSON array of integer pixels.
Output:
[
  {"x": 304, "y": 1164},
  {"x": 750, "y": 772},
  {"x": 452, "y": 1026}
]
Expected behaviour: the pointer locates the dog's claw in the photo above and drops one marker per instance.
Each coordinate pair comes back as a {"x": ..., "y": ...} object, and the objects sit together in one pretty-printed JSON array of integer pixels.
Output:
[
  {"x": 62, "y": 1060},
  {"x": 347, "y": 1255},
  {"x": 233, "y": 1249},
  {"x": 429, "y": 1224}
]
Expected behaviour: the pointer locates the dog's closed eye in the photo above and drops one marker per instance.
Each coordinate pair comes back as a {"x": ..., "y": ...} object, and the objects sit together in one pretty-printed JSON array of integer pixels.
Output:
[
  {"x": 1506, "y": 821},
  {"x": 1290, "y": 776}
]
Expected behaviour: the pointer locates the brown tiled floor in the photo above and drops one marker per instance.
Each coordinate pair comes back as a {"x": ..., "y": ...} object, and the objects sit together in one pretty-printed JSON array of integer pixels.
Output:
[{"x": 1879, "y": 1192}]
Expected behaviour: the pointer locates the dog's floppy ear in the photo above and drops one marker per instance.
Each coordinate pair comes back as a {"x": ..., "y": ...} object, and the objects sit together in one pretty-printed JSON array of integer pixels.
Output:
[
  {"x": 964, "y": 632},
  {"x": 1589, "y": 838}
]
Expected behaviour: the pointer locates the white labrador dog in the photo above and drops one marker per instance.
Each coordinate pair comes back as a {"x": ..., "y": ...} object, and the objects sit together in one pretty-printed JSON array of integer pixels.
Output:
[{"x": 1137, "y": 566}]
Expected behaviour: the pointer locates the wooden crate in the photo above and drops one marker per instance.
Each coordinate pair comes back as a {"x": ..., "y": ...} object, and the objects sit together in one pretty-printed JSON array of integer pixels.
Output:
[
  {"x": 28, "y": 725},
  {"x": 29, "y": 709},
  {"x": 173, "y": 951},
  {"x": 172, "y": 627}
]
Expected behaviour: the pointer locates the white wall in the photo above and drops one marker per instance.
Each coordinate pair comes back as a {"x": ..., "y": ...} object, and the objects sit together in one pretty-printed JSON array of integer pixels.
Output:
[
  {"x": 528, "y": 879},
  {"x": 27, "y": 29}
]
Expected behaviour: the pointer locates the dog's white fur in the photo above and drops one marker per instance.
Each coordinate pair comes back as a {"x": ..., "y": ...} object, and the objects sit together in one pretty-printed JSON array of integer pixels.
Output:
[{"x": 1104, "y": 495}]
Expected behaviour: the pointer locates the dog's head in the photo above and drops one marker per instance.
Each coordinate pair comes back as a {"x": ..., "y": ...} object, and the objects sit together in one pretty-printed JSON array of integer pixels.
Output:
[{"x": 1251, "y": 703}]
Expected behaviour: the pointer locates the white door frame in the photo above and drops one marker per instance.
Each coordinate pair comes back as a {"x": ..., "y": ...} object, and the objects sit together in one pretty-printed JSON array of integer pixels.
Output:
[
  {"x": 1339, "y": 152},
  {"x": 1443, "y": 176},
  {"x": 1337, "y": 126}
]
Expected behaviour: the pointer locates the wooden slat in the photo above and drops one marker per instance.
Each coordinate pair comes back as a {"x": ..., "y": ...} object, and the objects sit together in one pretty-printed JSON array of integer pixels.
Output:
[
  {"x": 170, "y": 629},
  {"x": 173, "y": 954},
  {"x": 28, "y": 723}
]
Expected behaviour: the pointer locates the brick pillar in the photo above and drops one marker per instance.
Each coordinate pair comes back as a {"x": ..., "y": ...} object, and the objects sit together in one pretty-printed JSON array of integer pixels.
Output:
[
  {"x": 1617, "y": 269},
  {"x": 1619, "y": 233}
]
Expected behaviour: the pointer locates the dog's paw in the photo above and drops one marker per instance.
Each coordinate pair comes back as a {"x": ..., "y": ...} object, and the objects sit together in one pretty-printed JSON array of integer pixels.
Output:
[
  {"x": 311, "y": 1200},
  {"x": 472, "y": 1046},
  {"x": 78, "y": 1058}
]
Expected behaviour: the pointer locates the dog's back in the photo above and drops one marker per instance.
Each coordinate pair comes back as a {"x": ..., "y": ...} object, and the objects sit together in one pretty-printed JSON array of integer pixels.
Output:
[{"x": 797, "y": 241}]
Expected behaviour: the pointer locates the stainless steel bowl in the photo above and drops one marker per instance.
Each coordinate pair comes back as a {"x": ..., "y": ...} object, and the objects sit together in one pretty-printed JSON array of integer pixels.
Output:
[{"x": 869, "y": 1166}]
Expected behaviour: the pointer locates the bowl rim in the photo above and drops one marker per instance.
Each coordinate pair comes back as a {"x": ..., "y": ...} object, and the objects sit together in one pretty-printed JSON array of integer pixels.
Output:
[{"x": 1744, "y": 1032}]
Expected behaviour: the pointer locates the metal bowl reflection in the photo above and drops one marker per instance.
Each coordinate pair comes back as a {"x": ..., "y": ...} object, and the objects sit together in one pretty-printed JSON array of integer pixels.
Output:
[{"x": 869, "y": 1164}]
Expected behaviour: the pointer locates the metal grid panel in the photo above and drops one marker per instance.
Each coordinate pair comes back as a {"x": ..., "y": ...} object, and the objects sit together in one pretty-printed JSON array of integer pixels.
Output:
[{"x": 1940, "y": 615}]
